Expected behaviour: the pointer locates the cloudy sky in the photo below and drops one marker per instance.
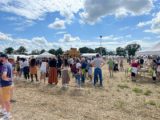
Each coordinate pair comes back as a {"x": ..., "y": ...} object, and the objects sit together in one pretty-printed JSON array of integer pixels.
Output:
[{"x": 46, "y": 24}]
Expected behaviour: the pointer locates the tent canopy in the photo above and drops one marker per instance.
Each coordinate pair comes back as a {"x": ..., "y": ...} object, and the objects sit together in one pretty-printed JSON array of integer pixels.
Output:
[
  {"x": 90, "y": 55},
  {"x": 45, "y": 55},
  {"x": 155, "y": 50}
]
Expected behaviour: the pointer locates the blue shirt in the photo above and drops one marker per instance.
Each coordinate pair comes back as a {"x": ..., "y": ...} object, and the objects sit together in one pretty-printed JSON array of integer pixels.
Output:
[
  {"x": 1, "y": 68},
  {"x": 7, "y": 67}
]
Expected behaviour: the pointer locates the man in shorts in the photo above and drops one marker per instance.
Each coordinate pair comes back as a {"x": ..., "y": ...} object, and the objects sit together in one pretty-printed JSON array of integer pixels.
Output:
[
  {"x": 6, "y": 82},
  {"x": 2, "y": 110}
]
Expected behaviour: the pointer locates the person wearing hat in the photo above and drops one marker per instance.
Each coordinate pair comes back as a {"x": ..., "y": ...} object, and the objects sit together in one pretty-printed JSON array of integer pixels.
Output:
[{"x": 6, "y": 82}]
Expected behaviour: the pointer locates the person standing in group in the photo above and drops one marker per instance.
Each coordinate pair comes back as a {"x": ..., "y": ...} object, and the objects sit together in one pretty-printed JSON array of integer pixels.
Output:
[
  {"x": 6, "y": 82},
  {"x": 33, "y": 69},
  {"x": 110, "y": 67},
  {"x": 134, "y": 69},
  {"x": 43, "y": 70},
  {"x": 121, "y": 64},
  {"x": 65, "y": 73},
  {"x": 2, "y": 109},
  {"x": 83, "y": 69},
  {"x": 90, "y": 71},
  {"x": 59, "y": 65},
  {"x": 78, "y": 73},
  {"x": 52, "y": 78},
  {"x": 21, "y": 66},
  {"x": 26, "y": 69},
  {"x": 98, "y": 63},
  {"x": 158, "y": 68}
]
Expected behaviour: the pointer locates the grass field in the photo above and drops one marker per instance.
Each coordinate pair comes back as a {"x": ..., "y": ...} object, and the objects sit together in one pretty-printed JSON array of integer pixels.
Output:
[{"x": 119, "y": 99}]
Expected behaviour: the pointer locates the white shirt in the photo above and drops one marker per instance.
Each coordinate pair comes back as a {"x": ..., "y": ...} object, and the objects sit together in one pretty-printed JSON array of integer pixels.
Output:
[
  {"x": 97, "y": 62},
  {"x": 25, "y": 64},
  {"x": 78, "y": 65}
]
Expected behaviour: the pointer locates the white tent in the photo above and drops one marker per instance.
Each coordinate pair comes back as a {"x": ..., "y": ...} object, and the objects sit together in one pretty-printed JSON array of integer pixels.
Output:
[
  {"x": 45, "y": 55},
  {"x": 89, "y": 55},
  {"x": 155, "y": 50}
]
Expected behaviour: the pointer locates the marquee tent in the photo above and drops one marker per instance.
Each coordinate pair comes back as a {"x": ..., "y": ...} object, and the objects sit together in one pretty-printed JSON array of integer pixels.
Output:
[
  {"x": 155, "y": 50},
  {"x": 45, "y": 55}
]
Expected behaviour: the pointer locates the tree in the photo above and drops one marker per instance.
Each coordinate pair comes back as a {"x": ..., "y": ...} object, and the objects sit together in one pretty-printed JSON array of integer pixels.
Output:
[
  {"x": 132, "y": 49},
  {"x": 98, "y": 50},
  {"x": 9, "y": 50},
  {"x": 42, "y": 51},
  {"x": 111, "y": 53},
  {"x": 120, "y": 51},
  {"x": 59, "y": 51},
  {"x": 52, "y": 51},
  {"x": 90, "y": 50},
  {"x": 35, "y": 52},
  {"x": 86, "y": 50},
  {"x": 21, "y": 50}
]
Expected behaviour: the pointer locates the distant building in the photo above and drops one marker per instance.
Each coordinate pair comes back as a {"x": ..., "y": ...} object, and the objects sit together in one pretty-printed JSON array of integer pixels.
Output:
[{"x": 73, "y": 52}]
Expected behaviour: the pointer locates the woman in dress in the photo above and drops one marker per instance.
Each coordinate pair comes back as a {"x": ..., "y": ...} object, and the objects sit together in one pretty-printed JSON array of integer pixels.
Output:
[
  {"x": 33, "y": 69},
  {"x": 43, "y": 70},
  {"x": 65, "y": 73},
  {"x": 52, "y": 78}
]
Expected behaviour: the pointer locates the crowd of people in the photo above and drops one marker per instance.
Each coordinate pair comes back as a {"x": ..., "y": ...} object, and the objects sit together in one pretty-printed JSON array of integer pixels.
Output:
[{"x": 52, "y": 70}]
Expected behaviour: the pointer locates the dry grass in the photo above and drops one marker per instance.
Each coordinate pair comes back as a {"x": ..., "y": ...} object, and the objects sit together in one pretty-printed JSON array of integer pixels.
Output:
[{"x": 115, "y": 101}]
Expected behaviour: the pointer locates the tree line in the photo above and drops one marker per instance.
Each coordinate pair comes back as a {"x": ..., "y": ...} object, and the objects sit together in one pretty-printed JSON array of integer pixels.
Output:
[{"x": 129, "y": 50}]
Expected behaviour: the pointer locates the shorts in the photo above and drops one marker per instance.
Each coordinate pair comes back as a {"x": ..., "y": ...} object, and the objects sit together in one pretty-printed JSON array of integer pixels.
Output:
[
  {"x": 6, "y": 93},
  {"x": 133, "y": 74}
]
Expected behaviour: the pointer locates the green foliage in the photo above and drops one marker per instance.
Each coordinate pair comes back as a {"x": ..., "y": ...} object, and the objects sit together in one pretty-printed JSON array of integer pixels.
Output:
[
  {"x": 52, "y": 51},
  {"x": 35, "y": 52},
  {"x": 101, "y": 49},
  {"x": 150, "y": 102},
  {"x": 21, "y": 50},
  {"x": 132, "y": 49},
  {"x": 9, "y": 50},
  {"x": 137, "y": 90},
  {"x": 120, "y": 51},
  {"x": 59, "y": 51},
  {"x": 147, "y": 92},
  {"x": 123, "y": 86},
  {"x": 86, "y": 50},
  {"x": 42, "y": 51}
]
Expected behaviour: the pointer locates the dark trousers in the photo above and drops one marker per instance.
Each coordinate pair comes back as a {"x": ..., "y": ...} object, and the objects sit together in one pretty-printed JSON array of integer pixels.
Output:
[
  {"x": 26, "y": 72},
  {"x": 97, "y": 73}
]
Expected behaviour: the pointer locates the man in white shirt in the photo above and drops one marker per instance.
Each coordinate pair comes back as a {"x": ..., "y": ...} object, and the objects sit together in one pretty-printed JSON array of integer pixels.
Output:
[{"x": 98, "y": 63}]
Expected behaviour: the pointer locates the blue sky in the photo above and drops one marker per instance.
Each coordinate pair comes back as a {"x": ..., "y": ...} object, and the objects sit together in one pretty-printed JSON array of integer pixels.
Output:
[{"x": 46, "y": 24}]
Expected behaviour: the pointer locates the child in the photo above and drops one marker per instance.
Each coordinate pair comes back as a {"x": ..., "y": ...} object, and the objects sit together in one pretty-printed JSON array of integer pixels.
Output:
[
  {"x": 65, "y": 74},
  {"x": 90, "y": 72},
  {"x": 78, "y": 73},
  {"x": 43, "y": 70}
]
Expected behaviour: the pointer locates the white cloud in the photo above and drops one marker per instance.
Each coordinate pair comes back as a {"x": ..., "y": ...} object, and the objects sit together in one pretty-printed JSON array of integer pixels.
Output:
[
  {"x": 61, "y": 32},
  {"x": 94, "y": 10},
  {"x": 5, "y": 37},
  {"x": 69, "y": 38},
  {"x": 69, "y": 41},
  {"x": 37, "y": 9},
  {"x": 57, "y": 24},
  {"x": 143, "y": 24},
  {"x": 154, "y": 24}
]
